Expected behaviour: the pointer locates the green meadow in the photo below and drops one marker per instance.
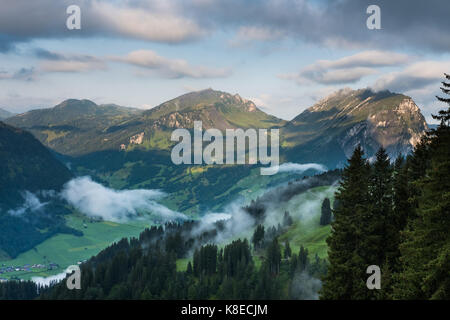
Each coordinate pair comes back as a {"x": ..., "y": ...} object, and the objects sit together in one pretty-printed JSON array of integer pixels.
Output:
[{"x": 65, "y": 249}]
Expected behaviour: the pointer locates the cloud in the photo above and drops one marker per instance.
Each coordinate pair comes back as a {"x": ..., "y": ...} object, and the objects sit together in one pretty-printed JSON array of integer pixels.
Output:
[
  {"x": 415, "y": 76},
  {"x": 50, "y": 280},
  {"x": 249, "y": 34},
  {"x": 348, "y": 69},
  {"x": 305, "y": 287},
  {"x": 405, "y": 23},
  {"x": 156, "y": 21},
  {"x": 95, "y": 200},
  {"x": 58, "y": 62},
  {"x": 171, "y": 68},
  {"x": 71, "y": 66},
  {"x": 373, "y": 58},
  {"x": 300, "y": 168},
  {"x": 148, "y": 23},
  {"x": 31, "y": 204},
  {"x": 25, "y": 74}
]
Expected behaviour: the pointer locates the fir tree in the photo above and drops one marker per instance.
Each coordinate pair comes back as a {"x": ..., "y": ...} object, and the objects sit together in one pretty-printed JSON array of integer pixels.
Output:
[
  {"x": 346, "y": 275},
  {"x": 325, "y": 216},
  {"x": 287, "y": 250},
  {"x": 426, "y": 249}
]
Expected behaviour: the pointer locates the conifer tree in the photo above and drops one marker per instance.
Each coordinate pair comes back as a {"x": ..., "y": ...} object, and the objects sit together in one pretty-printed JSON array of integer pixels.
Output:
[
  {"x": 325, "y": 216},
  {"x": 287, "y": 250},
  {"x": 346, "y": 274},
  {"x": 426, "y": 249}
]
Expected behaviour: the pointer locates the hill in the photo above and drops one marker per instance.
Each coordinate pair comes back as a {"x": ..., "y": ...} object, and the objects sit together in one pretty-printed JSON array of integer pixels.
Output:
[
  {"x": 5, "y": 114},
  {"x": 28, "y": 175},
  {"x": 26, "y": 165},
  {"x": 74, "y": 126}
]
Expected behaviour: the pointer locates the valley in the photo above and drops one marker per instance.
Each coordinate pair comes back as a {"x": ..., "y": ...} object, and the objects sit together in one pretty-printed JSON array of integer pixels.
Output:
[{"x": 129, "y": 149}]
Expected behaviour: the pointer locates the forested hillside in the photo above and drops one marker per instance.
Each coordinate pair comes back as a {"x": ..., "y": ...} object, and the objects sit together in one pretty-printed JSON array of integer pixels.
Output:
[{"x": 396, "y": 216}]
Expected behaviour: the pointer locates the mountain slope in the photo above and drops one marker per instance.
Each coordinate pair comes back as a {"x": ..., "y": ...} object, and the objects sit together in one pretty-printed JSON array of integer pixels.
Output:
[
  {"x": 26, "y": 165},
  {"x": 80, "y": 127},
  {"x": 28, "y": 173},
  {"x": 5, "y": 114},
  {"x": 73, "y": 126},
  {"x": 329, "y": 131}
]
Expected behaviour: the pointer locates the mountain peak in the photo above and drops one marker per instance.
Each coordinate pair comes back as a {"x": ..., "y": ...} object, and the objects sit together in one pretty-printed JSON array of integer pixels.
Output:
[
  {"x": 76, "y": 103},
  {"x": 200, "y": 99},
  {"x": 349, "y": 117}
]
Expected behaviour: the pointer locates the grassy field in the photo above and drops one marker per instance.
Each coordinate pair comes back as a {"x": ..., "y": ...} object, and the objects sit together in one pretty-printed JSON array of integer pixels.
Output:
[
  {"x": 307, "y": 231},
  {"x": 65, "y": 250}
]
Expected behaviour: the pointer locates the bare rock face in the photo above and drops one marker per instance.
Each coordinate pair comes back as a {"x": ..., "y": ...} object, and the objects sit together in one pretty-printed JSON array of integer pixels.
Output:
[{"x": 348, "y": 117}]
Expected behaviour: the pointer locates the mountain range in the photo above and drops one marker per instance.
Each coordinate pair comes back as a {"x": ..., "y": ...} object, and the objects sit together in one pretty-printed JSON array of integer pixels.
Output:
[
  {"x": 335, "y": 124},
  {"x": 128, "y": 148}
]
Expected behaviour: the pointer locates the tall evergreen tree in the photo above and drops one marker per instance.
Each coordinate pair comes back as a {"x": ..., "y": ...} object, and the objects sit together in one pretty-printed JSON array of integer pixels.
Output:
[
  {"x": 346, "y": 274},
  {"x": 287, "y": 250},
  {"x": 258, "y": 237},
  {"x": 426, "y": 249},
  {"x": 325, "y": 216}
]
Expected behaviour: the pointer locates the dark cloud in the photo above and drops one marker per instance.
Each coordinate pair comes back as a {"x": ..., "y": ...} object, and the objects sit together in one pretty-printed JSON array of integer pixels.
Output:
[
  {"x": 26, "y": 74},
  {"x": 405, "y": 23},
  {"x": 23, "y": 20},
  {"x": 415, "y": 24}
]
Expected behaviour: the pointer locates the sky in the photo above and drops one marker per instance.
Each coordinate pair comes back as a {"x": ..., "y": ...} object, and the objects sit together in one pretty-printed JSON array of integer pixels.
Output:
[{"x": 284, "y": 55}]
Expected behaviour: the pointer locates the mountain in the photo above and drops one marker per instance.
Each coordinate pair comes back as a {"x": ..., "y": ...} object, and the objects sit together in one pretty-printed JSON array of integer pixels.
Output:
[
  {"x": 73, "y": 126},
  {"x": 28, "y": 174},
  {"x": 216, "y": 109},
  {"x": 329, "y": 131},
  {"x": 26, "y": 165},
  {"x": 5, "y": 114},
  {"x": 80, "y": 127}
]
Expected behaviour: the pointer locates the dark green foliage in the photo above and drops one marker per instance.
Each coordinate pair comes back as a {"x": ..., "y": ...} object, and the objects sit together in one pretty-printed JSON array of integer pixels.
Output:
[
  {"x": 18, "y": 290},
  {"x": 346, "y": 274},
  {"x": 258, "y": 237},
  {"x": 302, "y": 262},
  {"x": 287, "y": 250},
  {"x": 141, "y": 269},
  {"x": 205, "y": 260},
  {"x": 425, "y": 251},
  {"x": 27, "y": 165},
  {"x": 326, "y": 214},
  {"x": 274, "y": 257}
]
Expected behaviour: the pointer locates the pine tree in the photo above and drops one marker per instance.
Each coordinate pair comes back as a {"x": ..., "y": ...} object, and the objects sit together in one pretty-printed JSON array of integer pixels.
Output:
[
  {"x": 376, "y": 222},
  {"x": 346, "y": 273},
  {"x": 303, "y": 258},
  {"x": 426, "y": 249},
  {"x": 258, "y": 237},
  {"x": 274, "y": 256},
  {"x": 325, "y": 216},
  {"x": 287, "y": 250}
]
